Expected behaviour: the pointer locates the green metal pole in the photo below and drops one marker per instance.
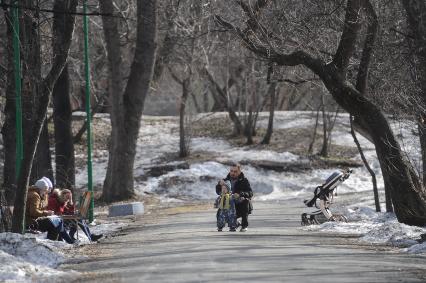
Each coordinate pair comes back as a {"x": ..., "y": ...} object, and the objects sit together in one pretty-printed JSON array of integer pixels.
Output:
[
  {"x": 88, "y": 114},
  {"x": 17, "y": 74}
]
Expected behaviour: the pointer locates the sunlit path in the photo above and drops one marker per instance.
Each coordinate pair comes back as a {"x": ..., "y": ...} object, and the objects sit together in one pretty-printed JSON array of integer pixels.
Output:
[{"x": 186, "y": 248}]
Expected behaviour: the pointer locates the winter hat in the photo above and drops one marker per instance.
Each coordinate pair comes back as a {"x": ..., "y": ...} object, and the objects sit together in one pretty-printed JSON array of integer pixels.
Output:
[
  {"x": 227, "y": 184},
  {"x": 42, "y": 184},
  {"x": 49, "y": 183}
]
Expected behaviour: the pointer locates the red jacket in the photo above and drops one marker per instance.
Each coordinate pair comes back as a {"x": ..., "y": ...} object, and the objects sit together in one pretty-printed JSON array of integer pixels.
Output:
[{"x": 58, "y": 207}]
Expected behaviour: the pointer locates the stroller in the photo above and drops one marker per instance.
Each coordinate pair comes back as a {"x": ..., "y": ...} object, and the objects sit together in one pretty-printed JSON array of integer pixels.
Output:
[{"x": 324, "y": 193}]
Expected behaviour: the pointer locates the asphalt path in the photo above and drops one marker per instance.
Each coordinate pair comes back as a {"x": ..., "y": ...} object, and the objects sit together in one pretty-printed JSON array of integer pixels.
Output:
[{"x": 185, "y": 247}]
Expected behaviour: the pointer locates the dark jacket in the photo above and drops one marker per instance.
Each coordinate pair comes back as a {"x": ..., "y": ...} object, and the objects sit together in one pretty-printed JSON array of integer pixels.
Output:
[{"x": 243, "y": 188}]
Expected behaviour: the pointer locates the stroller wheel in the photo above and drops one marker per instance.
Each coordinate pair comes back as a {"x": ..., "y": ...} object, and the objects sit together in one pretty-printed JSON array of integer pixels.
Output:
[
  {"x": 305, "y": 220},
  {"x": 339, "y": 218},
  {"x": 343, "y": 218}
]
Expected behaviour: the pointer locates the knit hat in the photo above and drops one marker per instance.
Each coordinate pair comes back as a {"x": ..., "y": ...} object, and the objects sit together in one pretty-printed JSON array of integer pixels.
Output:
[
  {"x": 227, "y": 184},
  {"x": 49, "y": 183},
  {"x": 41, "y": 184}
]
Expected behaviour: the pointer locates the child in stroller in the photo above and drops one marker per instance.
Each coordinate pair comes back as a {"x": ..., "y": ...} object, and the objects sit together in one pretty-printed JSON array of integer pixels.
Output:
[{"x": 324, "y": 193}]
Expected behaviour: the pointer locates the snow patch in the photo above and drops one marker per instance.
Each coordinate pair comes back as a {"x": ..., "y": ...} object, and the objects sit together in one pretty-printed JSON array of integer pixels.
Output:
[{"x": 25, "y": 258}]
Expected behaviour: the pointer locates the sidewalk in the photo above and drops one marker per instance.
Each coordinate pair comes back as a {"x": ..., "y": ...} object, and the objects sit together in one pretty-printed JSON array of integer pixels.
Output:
[{"x": 186, "y": 247}]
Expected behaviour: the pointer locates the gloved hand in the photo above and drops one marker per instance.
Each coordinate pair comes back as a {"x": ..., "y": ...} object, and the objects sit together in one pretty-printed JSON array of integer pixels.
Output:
[{"x": 236, "y": 196}]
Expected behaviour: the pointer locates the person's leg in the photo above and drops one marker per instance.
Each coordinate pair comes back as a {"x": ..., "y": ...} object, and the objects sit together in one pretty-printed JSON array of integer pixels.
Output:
[
  {"x": 92, "y": 237},
  {"x": 232, "y": 219},
  {"x": 52, "y": 235},
  {"x": 73, "y": 230},
  {"x": 220, "y": 220},
  {"x": 45, "y": 225},
  {"x": 242, "y": 210},
  {"x": 85, "y": 228},
  {"x": 66, "y": 237},
  {"x": 244, "y": 220}
]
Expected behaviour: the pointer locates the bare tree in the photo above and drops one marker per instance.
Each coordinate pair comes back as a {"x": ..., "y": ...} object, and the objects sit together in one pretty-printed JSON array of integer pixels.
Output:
[
  {"x": 60, "y": 46},
  {"x": 127, "y": 106},
  {"x": 62, "y": 118},
  {"x": 272, "y": 93},
  {"x": 364, "y": 160},
  {"x": 408, "y": 194},
  {"x": 416, "y": 19}
]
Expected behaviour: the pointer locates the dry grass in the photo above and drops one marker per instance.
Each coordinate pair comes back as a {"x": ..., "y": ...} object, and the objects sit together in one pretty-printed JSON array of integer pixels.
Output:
[{"x": 294, "y": 140}]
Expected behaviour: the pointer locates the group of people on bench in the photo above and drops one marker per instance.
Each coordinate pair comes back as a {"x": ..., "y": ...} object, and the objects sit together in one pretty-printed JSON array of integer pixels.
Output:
[{"x": 44, "y": 207}]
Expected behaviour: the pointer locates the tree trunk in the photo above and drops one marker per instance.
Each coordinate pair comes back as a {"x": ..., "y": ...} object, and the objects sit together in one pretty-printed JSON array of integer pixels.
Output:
[
  {"x": 248, "y": 128},
  {"x": 125, "y": 118},
  {"x": 364, "y": 160},
  {"x": 42, "y": 164},
  {"x": 196, "y": 104},
  {"x": 422, "y": 136},
  {"x": 61, "y": 45},
  {"x": 324, "y": 149},
  {"x": 31, "y": 91},
  {"x": 205, "y": 99},
  {"x": 416, "y": 19},
  {"x": 221, "y": 97},
  {"x": 64, "y": 146},
  {"x": 31, "y": 80},
  {"x": 272, "y": 94},
  {"x": 8, "y": 129},
  {"x": 183, "y": 143},
  {"x": 112, "y": 40},
  {"x": 314, "y": 134},
  {"x": 408, "y": 195}
]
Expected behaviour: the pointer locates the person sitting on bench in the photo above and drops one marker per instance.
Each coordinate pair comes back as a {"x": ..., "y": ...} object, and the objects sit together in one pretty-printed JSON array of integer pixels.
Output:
[
  {"x": 60, "y": 201},
  {"x": 39, "y": 218}
]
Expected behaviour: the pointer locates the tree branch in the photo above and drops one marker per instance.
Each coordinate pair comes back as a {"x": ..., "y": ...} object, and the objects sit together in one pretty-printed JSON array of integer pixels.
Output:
[
  {"x": 350, "y": 32},
  {"x": 252, "y": 12},
  {"x": 362, "y": 79},
  {"x": 293, "y": 59},
  {"x": 175, "y": 77}
]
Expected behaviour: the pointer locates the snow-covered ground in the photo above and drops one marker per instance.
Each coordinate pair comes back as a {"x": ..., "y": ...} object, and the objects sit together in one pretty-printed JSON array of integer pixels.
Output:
[
  {"x": 33, "y": 258},
  {"x": 29, "y": 258},
  {"x": 159, "y": 138}
]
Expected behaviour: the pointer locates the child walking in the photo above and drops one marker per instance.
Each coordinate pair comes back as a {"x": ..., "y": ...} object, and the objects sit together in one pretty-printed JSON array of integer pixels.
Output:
[{"x": 226, "y": 208}]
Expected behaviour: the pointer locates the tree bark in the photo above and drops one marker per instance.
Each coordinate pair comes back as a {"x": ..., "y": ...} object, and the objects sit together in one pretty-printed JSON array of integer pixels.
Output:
[
  {"x": 183, "y": 142},
  {"x": 31, "y": 90},
  {"x": 314, "y": 133},
  {"x": 272, "y": 91},
  {"x": 422, "y": 136},
  {"x": 64, "y": 146},
  {"x": 324, "y": 149},
  {"x": 112, "y": 40},
  {"x": 8, "y": 129},
  {"x": 42, "y": 164},
  {"x": 126, "y": 114},
  {"x": 248, "y": 127},
  {"x": 416, "y": 19},
  {"x": 61, "y": 44}
]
